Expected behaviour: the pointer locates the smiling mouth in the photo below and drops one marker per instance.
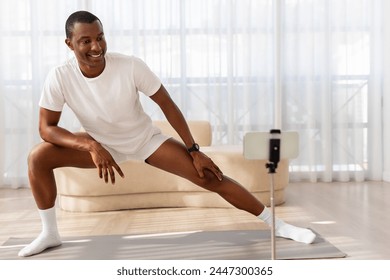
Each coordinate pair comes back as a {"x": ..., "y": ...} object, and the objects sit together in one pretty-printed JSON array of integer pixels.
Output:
[{"x": 96, "y": 55}]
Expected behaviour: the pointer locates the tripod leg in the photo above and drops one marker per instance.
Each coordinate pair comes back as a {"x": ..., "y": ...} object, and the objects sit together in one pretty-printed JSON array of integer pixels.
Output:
[{"x": 273, "y": 245}]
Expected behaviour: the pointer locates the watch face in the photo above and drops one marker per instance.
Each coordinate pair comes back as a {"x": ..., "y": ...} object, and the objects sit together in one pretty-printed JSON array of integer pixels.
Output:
[{"x": 195, "y": 147}]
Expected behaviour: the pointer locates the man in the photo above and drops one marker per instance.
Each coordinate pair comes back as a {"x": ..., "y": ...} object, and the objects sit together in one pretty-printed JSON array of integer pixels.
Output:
[{"x": 102, "y": 90}]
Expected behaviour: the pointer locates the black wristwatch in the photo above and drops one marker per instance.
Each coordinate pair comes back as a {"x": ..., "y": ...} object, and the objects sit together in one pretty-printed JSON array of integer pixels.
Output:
[{"x": 194, "y": 148}]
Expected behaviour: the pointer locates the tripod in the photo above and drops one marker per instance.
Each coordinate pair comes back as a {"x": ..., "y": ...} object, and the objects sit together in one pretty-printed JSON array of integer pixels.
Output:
[
  {"x": 272, "y": 165},
  {"x": 268, "y": 146}
]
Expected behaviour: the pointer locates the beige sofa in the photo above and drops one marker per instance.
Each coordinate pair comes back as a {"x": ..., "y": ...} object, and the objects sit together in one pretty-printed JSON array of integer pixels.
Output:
[{"x": 81, "y": 190}]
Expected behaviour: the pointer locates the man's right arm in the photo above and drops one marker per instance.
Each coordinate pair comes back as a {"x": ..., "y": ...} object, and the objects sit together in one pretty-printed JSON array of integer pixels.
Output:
[{"x": 52, "y": 133}]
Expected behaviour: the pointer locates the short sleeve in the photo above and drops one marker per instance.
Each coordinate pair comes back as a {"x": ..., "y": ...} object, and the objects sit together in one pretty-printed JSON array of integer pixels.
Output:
[
  {"x": 145, "y": 80},
  {"x": 52, "y": 97}
]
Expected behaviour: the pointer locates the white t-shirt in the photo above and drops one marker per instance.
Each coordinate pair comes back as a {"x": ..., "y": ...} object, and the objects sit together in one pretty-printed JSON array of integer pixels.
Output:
[{"x": 107, "y": 106}]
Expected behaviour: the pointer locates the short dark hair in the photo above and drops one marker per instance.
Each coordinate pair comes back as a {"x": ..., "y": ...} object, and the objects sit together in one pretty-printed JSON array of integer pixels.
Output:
[{"x": 79, "y": 16}]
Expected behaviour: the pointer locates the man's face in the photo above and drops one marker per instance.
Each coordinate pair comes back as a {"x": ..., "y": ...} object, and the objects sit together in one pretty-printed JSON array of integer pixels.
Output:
[{"x": 89, "y": 46}]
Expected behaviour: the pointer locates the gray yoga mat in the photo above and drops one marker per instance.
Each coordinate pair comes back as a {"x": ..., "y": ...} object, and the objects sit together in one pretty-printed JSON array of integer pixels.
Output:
[{"x": 202, "y": 245}]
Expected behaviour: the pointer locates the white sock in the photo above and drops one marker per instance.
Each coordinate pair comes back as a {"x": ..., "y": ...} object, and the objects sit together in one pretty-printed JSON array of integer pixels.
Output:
[
  {"x": 49, "y": 236},
  {"x": 285, "y": 230}
]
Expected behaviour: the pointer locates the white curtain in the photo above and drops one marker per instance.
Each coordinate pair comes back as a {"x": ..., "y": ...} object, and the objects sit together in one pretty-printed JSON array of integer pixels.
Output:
[
  {"x": 217, "y": 59},
  {"x": 332, "y": 87}
]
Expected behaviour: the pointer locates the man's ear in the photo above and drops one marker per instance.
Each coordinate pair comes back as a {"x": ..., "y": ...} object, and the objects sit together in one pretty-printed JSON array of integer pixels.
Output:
[{"x": 69, "y": 43}]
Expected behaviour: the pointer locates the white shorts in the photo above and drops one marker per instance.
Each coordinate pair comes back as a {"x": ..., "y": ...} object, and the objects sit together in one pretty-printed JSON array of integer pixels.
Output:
[{"x": 142, "y": 154}]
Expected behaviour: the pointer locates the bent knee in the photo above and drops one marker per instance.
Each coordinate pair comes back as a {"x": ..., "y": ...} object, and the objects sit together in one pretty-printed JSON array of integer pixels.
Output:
[{"x": 39, "y": 154}]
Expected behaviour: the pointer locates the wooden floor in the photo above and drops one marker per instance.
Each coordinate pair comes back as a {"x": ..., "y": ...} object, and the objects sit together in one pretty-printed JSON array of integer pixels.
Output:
[{"x": 355, "y": 217}]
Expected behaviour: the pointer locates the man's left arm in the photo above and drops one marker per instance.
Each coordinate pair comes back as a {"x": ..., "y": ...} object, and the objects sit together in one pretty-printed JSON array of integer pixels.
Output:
[{"x": 178, "y": 122}]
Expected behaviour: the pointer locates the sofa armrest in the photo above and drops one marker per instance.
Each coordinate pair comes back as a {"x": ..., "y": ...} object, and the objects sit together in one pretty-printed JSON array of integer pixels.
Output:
[{"x": 200, "y": 130}]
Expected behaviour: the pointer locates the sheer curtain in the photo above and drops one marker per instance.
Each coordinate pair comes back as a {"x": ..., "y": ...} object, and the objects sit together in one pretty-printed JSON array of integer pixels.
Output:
[
  {"x": 332, "y": 87},
  {"x": 217, "y": 59}
]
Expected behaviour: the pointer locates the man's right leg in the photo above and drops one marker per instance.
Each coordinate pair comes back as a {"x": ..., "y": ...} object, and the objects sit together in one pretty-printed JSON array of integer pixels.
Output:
[{"x": 42, "y": 161}]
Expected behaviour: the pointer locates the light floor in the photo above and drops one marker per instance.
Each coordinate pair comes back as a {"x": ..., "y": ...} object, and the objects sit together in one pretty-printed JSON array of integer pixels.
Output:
[{"x": 355, "y": 217}]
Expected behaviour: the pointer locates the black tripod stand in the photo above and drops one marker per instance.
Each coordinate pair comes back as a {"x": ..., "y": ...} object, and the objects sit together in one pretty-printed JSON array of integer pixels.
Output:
[
  {"x": 272, "y": 165},
  {"x": 268, "y": 146}
]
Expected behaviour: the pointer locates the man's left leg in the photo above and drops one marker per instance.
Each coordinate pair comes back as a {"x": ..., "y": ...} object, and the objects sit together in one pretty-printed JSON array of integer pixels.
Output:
[{"x": 172, "y": 156}]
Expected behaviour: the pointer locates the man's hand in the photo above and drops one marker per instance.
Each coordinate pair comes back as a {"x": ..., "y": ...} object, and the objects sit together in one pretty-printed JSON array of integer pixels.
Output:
[
  {"x": 105, "y": 163},
  {"x": 202, "y": 162}
]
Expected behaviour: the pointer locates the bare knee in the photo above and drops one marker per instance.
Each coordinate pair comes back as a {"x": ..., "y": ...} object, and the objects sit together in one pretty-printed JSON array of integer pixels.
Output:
[{"x": 39, "y": 156}]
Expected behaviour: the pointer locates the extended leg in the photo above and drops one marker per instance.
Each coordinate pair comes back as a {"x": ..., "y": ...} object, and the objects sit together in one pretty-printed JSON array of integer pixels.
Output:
[{"x": 173, "y": 157}]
